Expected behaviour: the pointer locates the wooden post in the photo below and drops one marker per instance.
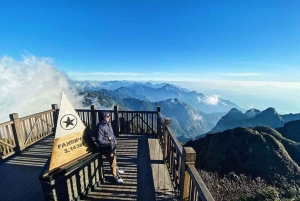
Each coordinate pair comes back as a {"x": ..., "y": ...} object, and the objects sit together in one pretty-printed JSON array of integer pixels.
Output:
[
  {"x": 117, "y": 120},
  {"x": 167, "y": 125},
  {"x": 17, "y": 132},
  {"x": 55, "y": 116},
  {"x": 158, "y": 109},
  {"x": 93, "y": 116},
  {"x": 188, "y": 157},
  {"x": 159, "y": 124}
]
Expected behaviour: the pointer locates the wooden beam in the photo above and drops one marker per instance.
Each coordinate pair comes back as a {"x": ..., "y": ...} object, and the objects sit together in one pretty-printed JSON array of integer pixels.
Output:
[
  {"x": 188, "y": 157},
  {"x": 12, "y": 146},
  {"x": 167, "y": 124},
  {"x": 17, "y": 132},
  {"x": 117, "y": 120},
  {"x": 199, "y": 184},
  {"x": 93, "y": 116}
]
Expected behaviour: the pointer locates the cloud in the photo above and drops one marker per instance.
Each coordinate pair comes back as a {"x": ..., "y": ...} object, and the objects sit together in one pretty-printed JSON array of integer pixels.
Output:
[
  {"x": 242, "y": 74},
  {"x": 119, "y": 73},
  {"x": 210, "y": 100},
  {"x": 107, "y": 73},
  {"x": 31, "y": 85},
  {"x": 164, "y": 73},
  {"x": 196, "y": 117}
]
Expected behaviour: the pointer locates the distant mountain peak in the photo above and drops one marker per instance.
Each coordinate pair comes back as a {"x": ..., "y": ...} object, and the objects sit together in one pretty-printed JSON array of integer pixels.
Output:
[
  {"x": 271, "y": 109},
  {"x": 169, "y": 87},
  {"x": 252, "y": 112},
  {"x": 234, "y": 111},
  {"x": 122, "y": 88},
  {"x": 174, "y": 100},
  {"x": 269, "y": 112}
]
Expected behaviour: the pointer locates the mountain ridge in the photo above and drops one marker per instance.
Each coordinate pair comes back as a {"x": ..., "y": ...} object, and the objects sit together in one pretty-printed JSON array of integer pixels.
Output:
[
  {"x": 186, "y": 122},
  {"x": 163, "y": 91},
  {"x": 260, "y": 152},
  {"x": 251, "y": 118}
]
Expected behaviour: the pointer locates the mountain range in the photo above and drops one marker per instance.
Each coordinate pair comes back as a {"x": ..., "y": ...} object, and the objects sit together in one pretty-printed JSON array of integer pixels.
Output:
[
  {"x": 260, "y": 152},
  {"x": 252, "y": 118},
  {"x": 159, "y": 92},
  {"x": 291, "y": 130},
  {"x": 186, "y": 121},
  {"x": 189, "y": 121}
]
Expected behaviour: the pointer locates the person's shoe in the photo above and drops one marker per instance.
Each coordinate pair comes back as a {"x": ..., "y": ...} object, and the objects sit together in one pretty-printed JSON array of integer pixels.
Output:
[
  {"x": 121, "y": 171},
  {"x": 118, "y": 179}
]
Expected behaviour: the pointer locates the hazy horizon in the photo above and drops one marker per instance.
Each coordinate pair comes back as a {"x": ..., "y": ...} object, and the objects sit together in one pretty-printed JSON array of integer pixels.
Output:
[{"x": 33, "y": 84}]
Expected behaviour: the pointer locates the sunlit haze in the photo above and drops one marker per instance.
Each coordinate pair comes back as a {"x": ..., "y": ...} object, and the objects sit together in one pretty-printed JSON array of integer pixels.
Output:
[{"x": 31, "y": 85}]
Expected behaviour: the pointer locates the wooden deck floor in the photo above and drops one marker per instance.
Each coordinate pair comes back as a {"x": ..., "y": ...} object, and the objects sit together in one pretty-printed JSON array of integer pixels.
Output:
[
  {"x": 146, "y": 176},
  {"x": 19, "y": 174}
]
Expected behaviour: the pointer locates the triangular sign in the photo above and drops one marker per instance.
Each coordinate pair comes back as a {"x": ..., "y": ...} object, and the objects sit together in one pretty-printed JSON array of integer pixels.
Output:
[{"x": 69, "y": 143}]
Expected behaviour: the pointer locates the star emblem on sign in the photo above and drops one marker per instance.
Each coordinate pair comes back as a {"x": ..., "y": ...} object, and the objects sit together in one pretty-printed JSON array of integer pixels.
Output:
[{"x": 68, "y": 122}]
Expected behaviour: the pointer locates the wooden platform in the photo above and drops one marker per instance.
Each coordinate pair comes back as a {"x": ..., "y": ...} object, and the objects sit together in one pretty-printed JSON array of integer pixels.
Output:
[
  {"x": 146, "y": 176},
  {"x": 19, "y": 174}
]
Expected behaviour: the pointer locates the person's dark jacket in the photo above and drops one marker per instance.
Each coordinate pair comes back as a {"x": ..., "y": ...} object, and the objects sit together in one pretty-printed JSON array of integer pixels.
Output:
[{"x": 104, "y": 132}]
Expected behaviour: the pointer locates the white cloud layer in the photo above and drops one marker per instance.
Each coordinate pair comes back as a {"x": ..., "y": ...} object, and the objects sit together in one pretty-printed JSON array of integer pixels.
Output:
[
  {"x": 30, "y": 86},
  {"x": 105, "y": 73},
  {"x": 210, "y": 100},
  {"x": 284, "y": 96},
  {"x": 242, "y": 74},
  {"x": 108, "y": 76}
]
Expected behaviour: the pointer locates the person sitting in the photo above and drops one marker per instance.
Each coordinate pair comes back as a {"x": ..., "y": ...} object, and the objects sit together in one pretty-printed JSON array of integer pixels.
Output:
[{"x": 105, "y": 135}]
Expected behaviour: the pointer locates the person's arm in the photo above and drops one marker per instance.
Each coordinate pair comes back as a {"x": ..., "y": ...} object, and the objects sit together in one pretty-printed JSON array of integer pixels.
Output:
[
  {"x": 113, "y": 137},
  {"x": 101, "y": 138}
]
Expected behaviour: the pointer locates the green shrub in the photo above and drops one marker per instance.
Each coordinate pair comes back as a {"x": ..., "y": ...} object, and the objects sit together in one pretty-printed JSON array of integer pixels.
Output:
[{"x": 268, "y": 193}]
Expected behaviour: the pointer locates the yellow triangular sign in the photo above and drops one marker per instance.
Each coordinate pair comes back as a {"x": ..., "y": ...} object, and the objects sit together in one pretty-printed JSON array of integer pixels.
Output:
[{"x": 69, "y": 143}]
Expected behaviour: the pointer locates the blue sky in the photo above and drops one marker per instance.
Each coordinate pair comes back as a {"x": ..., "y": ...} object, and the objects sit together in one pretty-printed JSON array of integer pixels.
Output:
[
  {"x": 244, "y": 51},
  {"x": 157, "y": 40}
]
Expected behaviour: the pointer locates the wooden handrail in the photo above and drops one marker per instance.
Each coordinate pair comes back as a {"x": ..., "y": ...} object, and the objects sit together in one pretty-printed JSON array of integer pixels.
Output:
[
  {"x": 55, "y": 185},
  {"x": 174, "y": 140},
  {"x": 201, "y": 190},
  {"x": 7, "y": 141},
  {"x": 146, "y": 112},
  {"x": 6, "y": 123},
  {"x": 88, "y": 110},
  {"x": 35, "y": 115},
  {"x": 181, "y": 163}
]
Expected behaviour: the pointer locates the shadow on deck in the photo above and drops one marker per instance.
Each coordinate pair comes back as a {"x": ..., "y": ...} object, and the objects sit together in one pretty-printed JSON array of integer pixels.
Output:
[
  {"x": 146, "y": 176},
  {"x": 19, "y": 174}
]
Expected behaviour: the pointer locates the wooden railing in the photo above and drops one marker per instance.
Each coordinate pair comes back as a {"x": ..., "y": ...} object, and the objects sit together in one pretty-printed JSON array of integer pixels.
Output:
[
  {"x": 142, "y": 122},
  {"x": 197, "y": 189},
  {"x": 181, "y": 164},
  {"x": 73, "y": 180},
  {"x": 19, "y": 133},
  {"x": 7, "y": 140},
  {"x": 127, "y": 122},
  {"x": 36, "y": 127}
]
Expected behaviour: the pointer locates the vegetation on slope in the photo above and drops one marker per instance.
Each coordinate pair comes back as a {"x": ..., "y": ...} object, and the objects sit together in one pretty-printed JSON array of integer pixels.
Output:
[
  {"x": 258, "y": 152},
  {"x": 291, "y": 130}
]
